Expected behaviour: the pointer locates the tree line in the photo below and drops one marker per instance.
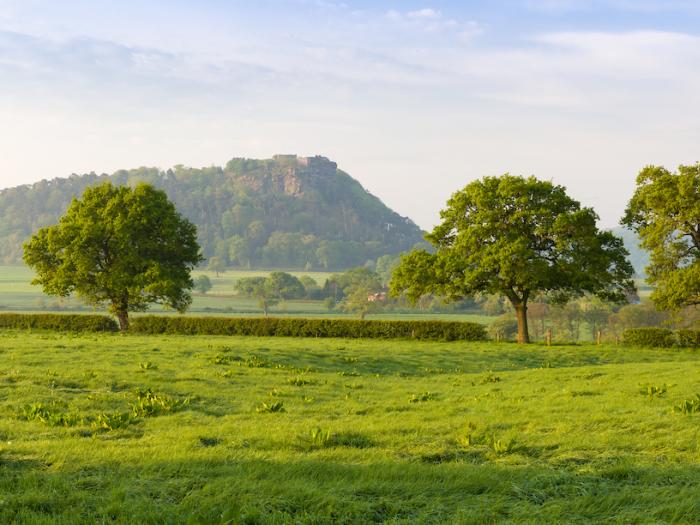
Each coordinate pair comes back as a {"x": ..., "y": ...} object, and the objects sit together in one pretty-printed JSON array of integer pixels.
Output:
[{"x": 514, "y": 237}]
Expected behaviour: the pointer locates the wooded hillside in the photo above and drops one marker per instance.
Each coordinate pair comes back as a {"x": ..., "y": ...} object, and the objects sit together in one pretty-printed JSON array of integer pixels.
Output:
[{"x": 284, "y": 212}]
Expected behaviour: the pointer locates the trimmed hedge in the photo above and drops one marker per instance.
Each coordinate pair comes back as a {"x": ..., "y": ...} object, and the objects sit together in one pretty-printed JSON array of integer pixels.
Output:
[
  {"x": 60, "y": 322},
  {"x": 689, "y": 338},
  {"x": 649, "y": 336},
  {"x": 300, "y": 327}
]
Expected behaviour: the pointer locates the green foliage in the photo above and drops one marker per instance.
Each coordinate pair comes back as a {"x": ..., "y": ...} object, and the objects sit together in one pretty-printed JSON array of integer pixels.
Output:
[
  {"x": 504, "y": 328},
  {"x": 422, "y": 397},
  {"x": 202, "y": 284},
  {"x": 124, "y": 247},
  {"x": 649, "y": 336},
  {"x": 489, "y": 377},
  {"x": 319, "y": 438},
  {"x": 250, "y": 213},
  {"x": 271, "y": 407},
  {"x": 299, "y": 381},
  {"x": 688, "y": 406},
  {"x": 653, "y": 391},
  {"x": 299, "y": 327},
  {"x": 49, "y": 415},
  {"x": 270, "y": 290},
  {"x": 665, "y": 212},
  {"x": 112, "y": 421},
  {"x": 150, "y": 404},
  {"x": 516, "y": 237},
  {"x": 59, "y": 322},
  {"x": 689, "y": 338}
]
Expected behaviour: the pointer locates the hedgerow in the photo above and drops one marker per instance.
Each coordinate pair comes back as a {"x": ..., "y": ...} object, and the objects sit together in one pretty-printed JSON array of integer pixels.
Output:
[
  {"x": 59, "y": 322},
  {"x": 689, "y": 338},
  {"x": 299, "y": 327},
  {"x": 650, "y": 337}
]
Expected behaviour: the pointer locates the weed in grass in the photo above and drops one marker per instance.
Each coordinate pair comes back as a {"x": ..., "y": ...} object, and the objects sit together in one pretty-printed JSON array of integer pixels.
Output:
[
  {"x": 150, "y": 404},
  {"x": 688, "y": 406},
  {"x": 354, "y": 386},
  {"x": 307, "y": 399},
  {"x": 546, "y": 364},
  {"x": 323, "y": 438},
  {"x": 49, "y": 415},
  {"x": 255, "y": 362},
  {"x": 349, "y": 373},
  {"x": 271, "y": 407},
  {"x": 502, "y": 447},
  {"x": 651, "y": 391},
  {"x": 113, "y": 421},
  {"x": 299, "y": 381},
  {"x": 319, "y": 438},
  {"x": 489, "y": 377},
  {"x": 422, "y": 397},
  {"x": 148, "y": 365},
  {"x": 209, "y": 441},
  {"x": 221, "y": 359}
]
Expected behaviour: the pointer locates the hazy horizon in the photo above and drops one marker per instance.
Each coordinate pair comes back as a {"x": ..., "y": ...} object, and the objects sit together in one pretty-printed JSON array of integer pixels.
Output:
[{"x": 413, "y": 99}]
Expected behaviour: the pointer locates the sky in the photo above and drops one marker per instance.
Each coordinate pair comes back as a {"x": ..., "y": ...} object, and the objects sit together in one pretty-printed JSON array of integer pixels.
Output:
[{"x": 415, "y": 99}]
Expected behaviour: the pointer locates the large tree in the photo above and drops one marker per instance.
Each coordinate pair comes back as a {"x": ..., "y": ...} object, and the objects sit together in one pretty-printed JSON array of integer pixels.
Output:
[
  {"x": 120, "y": 246},
  {"x": 516, "y": 237},
  {"x": 665, "y": 212},
  {"x": 269, "y": 291}
]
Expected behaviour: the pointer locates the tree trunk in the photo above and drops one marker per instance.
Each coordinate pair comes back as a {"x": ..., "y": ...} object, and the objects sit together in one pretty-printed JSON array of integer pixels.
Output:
[
  {"x": 123, "y": 318},
  {"x": 521, "y": 315}
]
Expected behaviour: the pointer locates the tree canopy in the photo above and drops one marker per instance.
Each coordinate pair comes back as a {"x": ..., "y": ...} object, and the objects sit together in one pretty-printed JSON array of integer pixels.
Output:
[
  {"x": 270, "y": 290},
  {"x": 516, "y": 237},
  {"x": 124, "y": 247},
  {"x": 665, "y": 212}
]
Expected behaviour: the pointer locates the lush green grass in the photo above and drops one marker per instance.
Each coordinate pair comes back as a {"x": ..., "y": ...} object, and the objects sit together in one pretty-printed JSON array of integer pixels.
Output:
[
  {"x": 371, "y": 432},
  {"x": 17, "y": 294}
]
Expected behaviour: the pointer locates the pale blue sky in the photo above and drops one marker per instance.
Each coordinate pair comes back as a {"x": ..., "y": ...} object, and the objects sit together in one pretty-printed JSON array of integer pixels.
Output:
[{"x": 414, "y": 99}]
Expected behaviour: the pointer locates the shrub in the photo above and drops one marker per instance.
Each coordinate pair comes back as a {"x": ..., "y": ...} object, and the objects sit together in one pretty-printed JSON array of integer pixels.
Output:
[
  {"x": 503, "y": 329},
  {"x": 651, "y": 337},
  {"x": 689, "y": 338},
  {"x": 299, "y": 327},
  {"x": 60, "y": 322}
]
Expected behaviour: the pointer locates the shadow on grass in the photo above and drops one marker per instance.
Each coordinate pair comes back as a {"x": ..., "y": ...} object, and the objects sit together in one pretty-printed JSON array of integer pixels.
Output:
[{"x": 323, "y": 490}]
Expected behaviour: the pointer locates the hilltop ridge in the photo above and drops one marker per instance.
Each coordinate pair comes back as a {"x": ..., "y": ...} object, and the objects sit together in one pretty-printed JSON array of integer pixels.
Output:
[{"x": 283, "y": 212}]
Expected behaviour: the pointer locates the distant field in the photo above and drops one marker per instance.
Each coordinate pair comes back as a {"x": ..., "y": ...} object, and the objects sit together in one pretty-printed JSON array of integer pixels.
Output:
[
  {"x": 16, "y": 294},
  {"x": 287, "y": 431}
]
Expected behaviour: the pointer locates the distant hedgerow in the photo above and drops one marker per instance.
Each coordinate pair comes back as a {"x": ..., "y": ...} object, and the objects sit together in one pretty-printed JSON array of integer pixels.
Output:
[
  {"x": 650, "y": 337},
  {"x": 60, "y": 322},
  {"x": 299, "y": 327},
  {"x": 689, "y": 338}
]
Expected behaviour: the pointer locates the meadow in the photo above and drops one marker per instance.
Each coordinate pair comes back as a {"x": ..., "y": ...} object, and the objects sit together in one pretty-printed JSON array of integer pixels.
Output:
[
  {"x": 18, "y": 295},
  {"x": 132, "y": 429}
]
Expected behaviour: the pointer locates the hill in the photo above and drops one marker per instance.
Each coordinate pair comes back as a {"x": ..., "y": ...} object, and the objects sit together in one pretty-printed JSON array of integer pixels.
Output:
[
  {"x": 638, "y": 257},
  {"x": 284, "y": 212}
]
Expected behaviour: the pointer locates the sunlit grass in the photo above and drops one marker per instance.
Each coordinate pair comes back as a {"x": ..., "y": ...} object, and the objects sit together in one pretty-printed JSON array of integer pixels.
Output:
[{"x": 264, "y": 430}]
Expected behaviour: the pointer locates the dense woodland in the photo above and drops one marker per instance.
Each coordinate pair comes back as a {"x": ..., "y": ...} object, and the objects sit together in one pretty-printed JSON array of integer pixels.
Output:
[{"x": 285, "y": 212}]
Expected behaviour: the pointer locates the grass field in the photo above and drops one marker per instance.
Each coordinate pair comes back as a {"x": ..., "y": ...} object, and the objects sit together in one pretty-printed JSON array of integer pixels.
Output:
[
  {"x": 17, "y": 294},
  {"x": 254, "y": 430}
]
